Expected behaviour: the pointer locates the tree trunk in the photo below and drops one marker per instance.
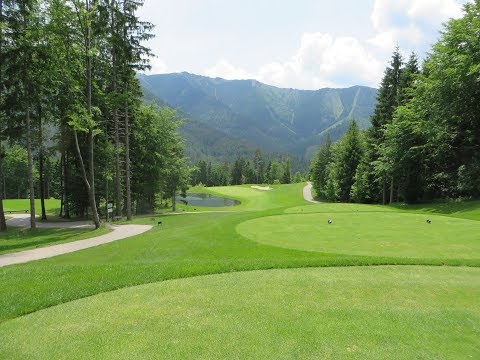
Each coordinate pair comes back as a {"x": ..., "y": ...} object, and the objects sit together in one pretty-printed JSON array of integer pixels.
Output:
[
  {"x": 118, "y": 175},
  {"x": 106, "y": 200},
  {"x": 42, "y": 186},
  {"x": 66, "y": 179},
  {"x": 174, "y": 204},
  {"x": 128, "y": 189},
  {"x": 384, "y": 193},
  {"x": 89, "y": 181},
  {"x": 62, "y": 184},
  {"x": 391, "y": 191},
  {"x": 3, "y": 223},
  {"x": 30, "y": 171},
  {"x": 41, "y": 167},
  {"x": 91, "y": 194}
]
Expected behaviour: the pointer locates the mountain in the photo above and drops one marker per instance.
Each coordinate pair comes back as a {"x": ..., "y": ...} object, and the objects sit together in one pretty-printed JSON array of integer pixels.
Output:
[{"x": 249, "y": 114}]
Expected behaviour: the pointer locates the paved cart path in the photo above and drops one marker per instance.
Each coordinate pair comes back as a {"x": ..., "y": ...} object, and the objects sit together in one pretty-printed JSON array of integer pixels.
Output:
[
  {"x": 119, "y": 232},
  {"x": 307, "y": 193}
]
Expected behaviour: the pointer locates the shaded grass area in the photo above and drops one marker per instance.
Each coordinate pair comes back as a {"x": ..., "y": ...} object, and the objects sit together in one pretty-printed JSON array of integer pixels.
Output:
[
  {"x": 334, "y": 313},
  {"x": 18, "y": 239},
  {"x": 462, "y": 209}
]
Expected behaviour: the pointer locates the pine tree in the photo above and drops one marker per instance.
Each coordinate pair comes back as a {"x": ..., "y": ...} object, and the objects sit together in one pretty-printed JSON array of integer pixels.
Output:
[
  {"x": 319, "y": 171},
  {"x": 348, "y": 155},
  {"x": 387, "y": 101}
]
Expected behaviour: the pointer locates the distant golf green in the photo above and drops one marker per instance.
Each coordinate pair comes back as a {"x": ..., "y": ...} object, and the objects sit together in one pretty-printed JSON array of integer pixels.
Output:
[
  {"x": 335, "y": 313},
  {"x": 363, "y": 233}
]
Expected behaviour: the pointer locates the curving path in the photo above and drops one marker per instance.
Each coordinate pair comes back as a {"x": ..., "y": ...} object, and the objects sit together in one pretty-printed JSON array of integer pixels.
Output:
[
  {"x": 119, "y": 232},
  {"x": 307, "y": 193}
]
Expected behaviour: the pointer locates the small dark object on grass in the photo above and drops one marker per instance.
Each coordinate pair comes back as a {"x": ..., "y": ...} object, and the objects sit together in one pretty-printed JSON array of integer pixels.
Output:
[
  {"x": 330, "y": 221},
  {"x": 159, "y": 223},
  {"x": 195, "y": 209},
  {"x": 429, "y": 221}
]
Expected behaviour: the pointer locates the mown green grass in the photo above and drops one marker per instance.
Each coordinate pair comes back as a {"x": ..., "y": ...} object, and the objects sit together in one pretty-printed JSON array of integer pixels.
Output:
[
  {"x": 51, "y": 205},
  {"x": 189, "y": 245},
  {"x": 251, "y": 199},
  {"x": 18, "y": 239},
  {"x": 373, "y": 234},
  {"x": 331, "y": 313}
]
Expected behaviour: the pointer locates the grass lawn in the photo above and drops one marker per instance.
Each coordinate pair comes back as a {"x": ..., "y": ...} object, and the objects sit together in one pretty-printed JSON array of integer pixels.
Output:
[
  {"x": 17, "y": 239},
  {"x": 51, "y": 205},
  {"x": 329, "y": 313},
  {"x": 376, "y": 233},
  {"x": 187, "y": 246}
]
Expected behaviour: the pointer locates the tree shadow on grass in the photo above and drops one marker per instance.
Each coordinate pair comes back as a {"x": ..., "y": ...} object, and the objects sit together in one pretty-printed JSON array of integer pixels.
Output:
[{"x": 19, "y": 239}]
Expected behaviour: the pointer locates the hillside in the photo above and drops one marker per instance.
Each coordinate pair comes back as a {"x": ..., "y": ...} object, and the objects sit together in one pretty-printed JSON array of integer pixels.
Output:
[{"x": 259, "y": 115}]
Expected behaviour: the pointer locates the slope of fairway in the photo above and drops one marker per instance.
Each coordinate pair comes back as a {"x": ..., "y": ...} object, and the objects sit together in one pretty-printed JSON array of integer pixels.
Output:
[
  {"x": 374, "y": 234},
  {"x": 334, "y": 313}
]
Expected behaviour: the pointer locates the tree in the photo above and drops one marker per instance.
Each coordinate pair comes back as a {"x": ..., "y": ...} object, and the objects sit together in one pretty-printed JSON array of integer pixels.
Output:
[
  {"x": 347, "y": 158},
  {"x": 238, "y": 171},
  {"x": 387, "y": 101},
  {"x": 3, "y": 224},
  {"x": 23, "y": 67},
  {"x": 319, "y": 169},
  {"x": 82, "y": 116},
  {"x": 157, "y": 152},
  {"x": 259, "y": 166},
  {"x": 287, "y": 172}
]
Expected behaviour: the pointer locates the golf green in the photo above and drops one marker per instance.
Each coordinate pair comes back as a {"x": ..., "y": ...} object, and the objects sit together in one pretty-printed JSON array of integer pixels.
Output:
[
  {"x": 363, "y": 233},
  {"x": 400, "y": 312}
]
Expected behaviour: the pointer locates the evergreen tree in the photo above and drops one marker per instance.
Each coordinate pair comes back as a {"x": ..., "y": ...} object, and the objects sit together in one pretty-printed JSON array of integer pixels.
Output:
[
  {"x": 287, "y": 172},
  {"x": 319, "y": 170},
  {"x": 375, "y": 182},
  {"x": 347, "y": 158},
  {"x": 259, "y": 166}
]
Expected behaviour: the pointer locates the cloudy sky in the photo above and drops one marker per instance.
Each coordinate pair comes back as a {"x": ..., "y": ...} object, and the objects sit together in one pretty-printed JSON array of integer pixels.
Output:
[{"x": 306, "y": 44}]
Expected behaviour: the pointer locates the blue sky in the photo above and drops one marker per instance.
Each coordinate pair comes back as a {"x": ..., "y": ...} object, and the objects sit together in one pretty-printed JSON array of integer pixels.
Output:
[{"x": 306, "y": 44}]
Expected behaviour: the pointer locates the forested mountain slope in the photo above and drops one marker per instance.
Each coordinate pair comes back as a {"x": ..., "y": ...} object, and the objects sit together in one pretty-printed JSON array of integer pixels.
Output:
[{"x": 259, "y": 115}]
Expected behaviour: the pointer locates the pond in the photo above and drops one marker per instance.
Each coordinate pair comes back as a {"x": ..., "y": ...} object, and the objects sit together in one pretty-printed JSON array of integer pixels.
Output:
[{"x": 195, "y": 199}]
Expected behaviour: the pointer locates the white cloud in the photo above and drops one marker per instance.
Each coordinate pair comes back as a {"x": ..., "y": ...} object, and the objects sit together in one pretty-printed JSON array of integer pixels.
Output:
[
  {"x": 226, "y": 70},
  {"x": 158, "y": 66},
  {"x": 403, "y": 21},
  {"x": 434, "y": 11},
  {"x": 321, "y": 60},
  {"x": 387, "y": 40}
]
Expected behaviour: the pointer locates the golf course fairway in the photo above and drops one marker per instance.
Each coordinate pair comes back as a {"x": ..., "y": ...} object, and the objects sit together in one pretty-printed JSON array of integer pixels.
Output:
[
  {"x": 329, "y": 313},
  {"x": 266, "y": 279}
]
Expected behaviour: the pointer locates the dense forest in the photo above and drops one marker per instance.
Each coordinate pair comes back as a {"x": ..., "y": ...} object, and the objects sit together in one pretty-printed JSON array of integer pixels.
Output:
[
  {"x": 261, "y": 169},
  {"x": 72, "y": 122},
  {"x": 424, "y": 142}
]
